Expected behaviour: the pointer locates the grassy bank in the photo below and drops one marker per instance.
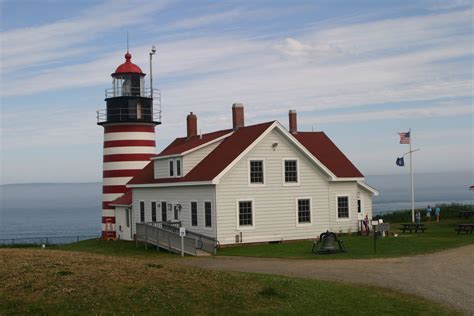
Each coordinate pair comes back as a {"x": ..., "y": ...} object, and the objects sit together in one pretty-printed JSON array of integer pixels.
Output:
[
  {"x": 36, "y": 281},
  {"x": 437, "y": 237}
]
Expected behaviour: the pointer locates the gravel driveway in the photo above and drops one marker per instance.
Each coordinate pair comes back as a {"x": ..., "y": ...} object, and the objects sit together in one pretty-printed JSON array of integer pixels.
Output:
[{"x": 446, "y": 277}]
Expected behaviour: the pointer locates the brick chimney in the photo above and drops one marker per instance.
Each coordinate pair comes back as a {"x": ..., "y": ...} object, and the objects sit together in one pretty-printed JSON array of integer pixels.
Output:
[
  {"x": 237, "y": 116},
  {"x": 293, "y": 122},
  {"x": 191, "y": 122}
]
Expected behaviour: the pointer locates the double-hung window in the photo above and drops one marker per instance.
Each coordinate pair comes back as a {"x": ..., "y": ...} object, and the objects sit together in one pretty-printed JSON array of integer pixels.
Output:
[
  {"x": 304, "y": 211},
  {"x": 208, "y": 214},
  {"x": 175, "y": 167},
  {"x": 291, "y": 171},
  {"x": 164, "y": 211},
  {"x": 194, "y": 214},
  {"x": 256, "y": 172},
  {"x": 142, "y": 211},
  {"x": 153, "y": 211},
  {"x": 245, "y": 213},
  {"x": 342, "y": 207},
  {"x": 171, "y": 165},
  {"x": 178, "y": 167}
]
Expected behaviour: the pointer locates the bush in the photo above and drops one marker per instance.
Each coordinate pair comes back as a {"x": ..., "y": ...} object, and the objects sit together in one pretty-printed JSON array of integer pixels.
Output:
[{"x": 447, "y": 211}]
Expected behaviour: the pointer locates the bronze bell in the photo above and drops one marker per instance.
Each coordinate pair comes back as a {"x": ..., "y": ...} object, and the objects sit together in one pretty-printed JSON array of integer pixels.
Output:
[{"x": 328, "y": 244}]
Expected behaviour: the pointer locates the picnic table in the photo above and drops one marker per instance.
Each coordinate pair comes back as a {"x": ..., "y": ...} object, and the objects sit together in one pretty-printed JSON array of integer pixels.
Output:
[
  {"x": 466, "y": 214},
  {"x": 413, "y": 227},
  {"x": 467, "y": 228}
]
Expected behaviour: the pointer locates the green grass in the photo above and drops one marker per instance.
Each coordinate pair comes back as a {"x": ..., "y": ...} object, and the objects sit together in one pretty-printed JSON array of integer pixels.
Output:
[
  {"x": 437, "y": 237},
  {"x": 39, "y": 282},
  {"x": 118, "y": 248}
]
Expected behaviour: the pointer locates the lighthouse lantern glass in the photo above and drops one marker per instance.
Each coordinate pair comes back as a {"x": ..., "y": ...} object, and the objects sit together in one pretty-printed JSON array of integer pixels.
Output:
[{"x": 128, "y": 85}]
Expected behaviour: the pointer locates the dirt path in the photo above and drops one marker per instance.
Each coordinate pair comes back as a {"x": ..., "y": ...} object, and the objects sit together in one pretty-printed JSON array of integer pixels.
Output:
[{"x": 446, "y": 277}]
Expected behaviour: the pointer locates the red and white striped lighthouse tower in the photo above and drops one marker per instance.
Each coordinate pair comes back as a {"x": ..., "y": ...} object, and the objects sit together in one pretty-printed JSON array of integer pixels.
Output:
[{"x": 129, "y": 134}]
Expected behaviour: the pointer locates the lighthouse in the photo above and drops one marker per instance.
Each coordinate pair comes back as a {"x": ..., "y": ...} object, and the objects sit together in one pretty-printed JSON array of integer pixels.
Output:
[{"x": 129, "y": 120}]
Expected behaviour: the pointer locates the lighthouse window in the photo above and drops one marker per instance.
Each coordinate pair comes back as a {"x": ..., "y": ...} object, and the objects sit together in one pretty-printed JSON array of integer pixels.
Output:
[{"x": 171, "y": 168}]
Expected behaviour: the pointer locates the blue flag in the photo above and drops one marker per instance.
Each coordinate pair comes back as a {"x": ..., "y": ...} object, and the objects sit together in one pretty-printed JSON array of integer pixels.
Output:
[{"x": 400, "y": 162}]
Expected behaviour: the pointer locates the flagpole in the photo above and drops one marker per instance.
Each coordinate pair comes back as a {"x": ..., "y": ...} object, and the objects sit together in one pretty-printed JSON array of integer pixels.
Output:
[{"x": 412, "y": 183}]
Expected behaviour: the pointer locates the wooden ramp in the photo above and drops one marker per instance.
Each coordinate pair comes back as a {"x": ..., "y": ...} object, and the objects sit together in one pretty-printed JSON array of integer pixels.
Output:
[{"x": 165, "y": 235}]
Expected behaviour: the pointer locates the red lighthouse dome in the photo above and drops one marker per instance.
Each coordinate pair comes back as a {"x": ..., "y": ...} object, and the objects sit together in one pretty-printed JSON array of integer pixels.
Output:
[{"x": 128, "y": 67}]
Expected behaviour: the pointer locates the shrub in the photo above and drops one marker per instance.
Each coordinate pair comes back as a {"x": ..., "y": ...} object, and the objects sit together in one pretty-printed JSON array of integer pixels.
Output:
[{"x": 447, "y": 211}]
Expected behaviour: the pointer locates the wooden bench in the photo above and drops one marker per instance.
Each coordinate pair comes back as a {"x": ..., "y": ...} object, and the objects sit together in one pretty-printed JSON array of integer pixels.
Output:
[
  {"x": 467, "y": 228},
  {"x": 413, "y": 227}
]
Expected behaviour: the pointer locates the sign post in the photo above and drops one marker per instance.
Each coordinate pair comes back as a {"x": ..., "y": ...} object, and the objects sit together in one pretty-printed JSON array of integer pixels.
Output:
[
  {"x": 379, "y": 228},
  {"x": 182, "y": 234}
]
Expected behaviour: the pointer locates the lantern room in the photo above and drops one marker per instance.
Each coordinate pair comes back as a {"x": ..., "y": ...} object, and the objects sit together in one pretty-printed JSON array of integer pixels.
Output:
[{"x": 129, "y": 100}]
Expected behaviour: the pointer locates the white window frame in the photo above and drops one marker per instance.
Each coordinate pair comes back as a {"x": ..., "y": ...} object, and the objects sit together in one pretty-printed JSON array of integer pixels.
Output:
[
  {"x": 264, "y": 173},
  {"x": 298, "y": 224},
  {"x": 171, "y": 161},
  {"x": 191, "y": 213},
  {"x": 204, "y": 215},
  {"x": 140, "y": 211},
  {"x": 298, "y": 173},
  {"x": 166, "y": 210},
  {"x": 175, "y": 167},
  {"x": 344, "y": 219},
  {"x": 151, "y": 210},
  {"x": 362, "y": 205},
  {"x": 246, "y": 227}
]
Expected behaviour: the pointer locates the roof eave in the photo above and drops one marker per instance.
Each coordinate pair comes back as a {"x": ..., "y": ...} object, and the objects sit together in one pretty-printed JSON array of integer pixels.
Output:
[{"x": 169, "y": 184}]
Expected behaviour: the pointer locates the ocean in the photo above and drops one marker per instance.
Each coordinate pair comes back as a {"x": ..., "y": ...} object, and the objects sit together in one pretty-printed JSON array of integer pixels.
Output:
[{"x": 48, "y": 210}]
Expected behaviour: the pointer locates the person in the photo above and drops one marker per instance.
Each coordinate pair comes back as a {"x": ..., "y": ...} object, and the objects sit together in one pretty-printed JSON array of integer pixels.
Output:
[
  {"x": 418, "y": 217},
  {"x": 428, "y": 213},
  {"x": 366, "y": 225},
  {"x": 437, "y": 212}
]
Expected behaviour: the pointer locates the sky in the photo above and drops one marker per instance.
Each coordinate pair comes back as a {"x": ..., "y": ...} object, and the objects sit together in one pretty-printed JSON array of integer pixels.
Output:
[{"x": 361, "y": 71}]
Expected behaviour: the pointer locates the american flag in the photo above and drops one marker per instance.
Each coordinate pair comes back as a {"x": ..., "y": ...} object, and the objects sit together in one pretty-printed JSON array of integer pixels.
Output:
[{"x": 404, "y": 138}]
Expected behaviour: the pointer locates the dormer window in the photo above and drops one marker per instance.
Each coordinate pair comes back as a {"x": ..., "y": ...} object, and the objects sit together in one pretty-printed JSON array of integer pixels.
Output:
[
  {"x": 175, "y": 167},
  {"x": 171, "y": 163},
  {"x": 178, "y": 167}
]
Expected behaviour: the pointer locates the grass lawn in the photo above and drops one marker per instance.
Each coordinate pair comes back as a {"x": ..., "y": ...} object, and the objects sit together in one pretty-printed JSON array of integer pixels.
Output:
[
  {"x": 118, "y": 248},
  {"x": 36, "y": 281},
  {"x": 436, "y": 237}
]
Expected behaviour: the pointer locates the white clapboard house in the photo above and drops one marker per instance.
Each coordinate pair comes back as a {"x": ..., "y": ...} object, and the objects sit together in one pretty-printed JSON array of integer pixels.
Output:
[{"x": 248, "y": 184}]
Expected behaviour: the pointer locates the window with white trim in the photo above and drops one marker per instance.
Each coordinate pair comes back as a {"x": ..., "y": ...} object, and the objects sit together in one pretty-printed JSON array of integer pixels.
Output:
[
  {"x": 194, "y": 214},
  {"x": 178, "y": 167},
  {"x": 153, "y": 211},
  {"x": 164, "y": 211},
  {"x": 291, "y": 171},
  {"x": 304, "y": 211},
  {"x": 342, "y": 207},
  {"x": 127, "y": 217},
  {"x": 208, "y": 214},
  {"x": 256, "y": 171},
  {"x": 142, "y": 211},
  {"x": 171, "y": 168},
  {"x": 245, "y": 213}
]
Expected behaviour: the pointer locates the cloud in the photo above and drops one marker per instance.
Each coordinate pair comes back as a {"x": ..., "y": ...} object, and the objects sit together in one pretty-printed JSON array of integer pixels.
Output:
[
  {"x": 52, "y": 42},
  {"x": 293, "y": 47},
  {"x": 401, "y": 113}
]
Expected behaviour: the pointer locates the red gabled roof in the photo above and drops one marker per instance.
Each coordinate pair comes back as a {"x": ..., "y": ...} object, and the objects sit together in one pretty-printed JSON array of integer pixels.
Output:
[
  {"x": 215, "y": 162},
  {"x": 183, "y": 144},
  {"x": 125, "y": 199},
  {"x": 317, "y": 143},
  {"x": 328, "y": 154}
]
